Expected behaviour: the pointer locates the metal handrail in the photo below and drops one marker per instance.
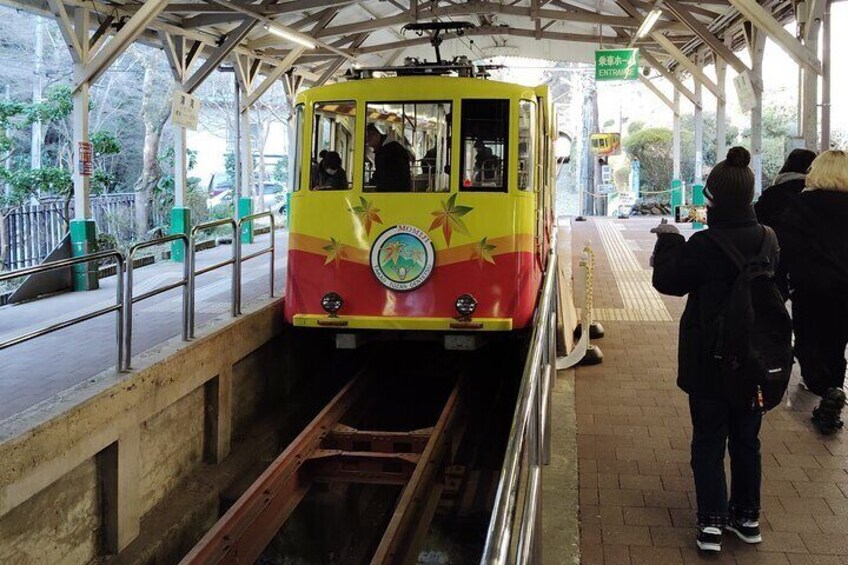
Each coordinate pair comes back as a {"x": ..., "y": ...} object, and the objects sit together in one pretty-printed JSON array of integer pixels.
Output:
[
  {"x": 194, "y": 273},
  {"x": 241, "y": 259},
  {"x": 64, "y": 263},
  {"x": 129, "y": 300},
  {"x": 527, "y": 438}
]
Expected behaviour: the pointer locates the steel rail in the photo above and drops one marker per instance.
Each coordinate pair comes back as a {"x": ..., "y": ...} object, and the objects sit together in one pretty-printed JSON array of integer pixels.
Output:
[
  {"x": 194, "y": 272},
  {"x": 527, "y": 433},
  {"x": 129, "y": 300},
  {"x": 65, "y": 263},
  {"x": 271, "y": 249},
  {"x": 323, "y": 452},
  {"x": 251, "y": 523}
]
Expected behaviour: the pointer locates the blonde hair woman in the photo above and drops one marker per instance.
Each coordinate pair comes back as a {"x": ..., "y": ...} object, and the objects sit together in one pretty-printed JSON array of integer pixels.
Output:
[
  {"x": 813, "y": 236},
  {"x": 829, "y": 171}
]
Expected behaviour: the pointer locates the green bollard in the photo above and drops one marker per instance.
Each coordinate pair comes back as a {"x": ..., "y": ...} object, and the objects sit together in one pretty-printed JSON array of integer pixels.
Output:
[
  {"x": 83, "y": 242},
  {"x": 180, "y": 223},
  {"x": 676, "y": 194},
  {"x": 245, "y": 208},
  {"x": 697, "y": 200}
]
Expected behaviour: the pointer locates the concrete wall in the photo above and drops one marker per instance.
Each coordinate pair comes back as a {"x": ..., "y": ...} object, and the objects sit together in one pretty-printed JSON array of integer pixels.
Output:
[{"x": 77, "y": 477}]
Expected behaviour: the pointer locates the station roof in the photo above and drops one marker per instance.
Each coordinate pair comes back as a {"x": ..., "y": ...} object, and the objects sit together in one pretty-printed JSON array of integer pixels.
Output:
[{"x": 370, "y": 32}]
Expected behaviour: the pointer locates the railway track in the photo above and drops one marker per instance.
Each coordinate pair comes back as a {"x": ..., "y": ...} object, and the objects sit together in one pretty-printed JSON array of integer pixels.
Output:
[{"x": 332, "y": 451}]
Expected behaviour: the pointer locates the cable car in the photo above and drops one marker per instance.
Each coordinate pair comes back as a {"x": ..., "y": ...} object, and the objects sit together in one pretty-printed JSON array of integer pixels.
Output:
[
  {"x": 421, "y": 202},
  {"x": 605, "y": 144}
]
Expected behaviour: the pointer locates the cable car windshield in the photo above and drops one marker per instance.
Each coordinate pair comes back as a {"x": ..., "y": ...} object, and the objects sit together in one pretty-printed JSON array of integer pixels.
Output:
[
  {"x": 485, "y": 127},
  {"x": 407, "y": 147}
]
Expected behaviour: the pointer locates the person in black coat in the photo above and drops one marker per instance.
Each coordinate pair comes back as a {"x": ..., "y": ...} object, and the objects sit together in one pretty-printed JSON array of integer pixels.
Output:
[
  {"x": 391, "y": 162},
  {"x": 787, "y": 185},
  {"x": 720, "y": 417},
  {"x": 813, "y": 236},
  {"x": 332, "y": 175}
]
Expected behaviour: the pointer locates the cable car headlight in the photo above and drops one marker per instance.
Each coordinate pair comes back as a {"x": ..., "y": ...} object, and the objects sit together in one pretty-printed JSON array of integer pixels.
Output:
[
  {"x": 332, "y": 303},
  {"x": 466, "y": 305}
]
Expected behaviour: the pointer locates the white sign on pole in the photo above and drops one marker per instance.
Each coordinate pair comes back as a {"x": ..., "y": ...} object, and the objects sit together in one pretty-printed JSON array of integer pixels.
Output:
[
  {"x": 185, "y": 110},
  {"x": 745, "y": 91}
]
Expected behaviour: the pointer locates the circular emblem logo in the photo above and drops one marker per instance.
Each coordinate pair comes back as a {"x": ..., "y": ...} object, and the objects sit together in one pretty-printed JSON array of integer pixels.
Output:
[{"x": 402, "y": 258}]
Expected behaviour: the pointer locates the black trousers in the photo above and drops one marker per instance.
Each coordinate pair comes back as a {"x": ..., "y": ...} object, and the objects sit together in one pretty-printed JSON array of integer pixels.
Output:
[
  {"x": 718, "y": 426},
  {"x": 821, "y": 334}
]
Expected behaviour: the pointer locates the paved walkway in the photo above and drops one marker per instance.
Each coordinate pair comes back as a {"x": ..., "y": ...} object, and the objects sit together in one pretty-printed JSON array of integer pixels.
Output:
[
  {"x": 38, "y": 369},
  {"x": 633, "y": 430}
]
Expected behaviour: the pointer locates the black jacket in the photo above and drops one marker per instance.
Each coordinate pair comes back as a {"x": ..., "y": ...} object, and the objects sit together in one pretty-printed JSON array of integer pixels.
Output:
[
  {"x": 391, "y": 168},
  {"x": 813, "y": 237},
  {"x": 778, "y": 197},
  {"x": 775, "y": 200},
  {"x": 700, "y": 269}
]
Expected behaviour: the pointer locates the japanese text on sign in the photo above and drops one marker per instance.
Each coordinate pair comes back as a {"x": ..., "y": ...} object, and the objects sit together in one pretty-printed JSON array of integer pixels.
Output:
[
  {"x": 617, "y": 64},
  {"x": 86, "y": 158},
  {"x": 185, "y": 110}
]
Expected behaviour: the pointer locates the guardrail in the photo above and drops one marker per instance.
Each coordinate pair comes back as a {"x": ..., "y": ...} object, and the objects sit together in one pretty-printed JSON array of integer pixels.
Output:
[
  {"x": 514, "y": 534},
  {"x": 129, "y": 299},
  {"x": 63, "y": 264},
  {"x": 124, "y": 287},
  {"x": 240, "y": 259},
  {"x": 194, "y": 273}
]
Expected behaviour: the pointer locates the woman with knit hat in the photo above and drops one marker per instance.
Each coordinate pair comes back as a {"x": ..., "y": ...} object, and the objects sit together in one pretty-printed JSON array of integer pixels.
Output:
[
  {"x": 813, "y": 235},
  {"x": 722, "y": 419}
]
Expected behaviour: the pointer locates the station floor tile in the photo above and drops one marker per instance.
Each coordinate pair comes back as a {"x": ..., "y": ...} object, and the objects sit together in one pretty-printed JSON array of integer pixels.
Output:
[{"x": 636, "y": 494}]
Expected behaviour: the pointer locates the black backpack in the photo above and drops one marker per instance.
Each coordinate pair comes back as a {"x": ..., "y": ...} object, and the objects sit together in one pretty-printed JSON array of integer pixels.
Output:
[{"x": 751, "y": 337}]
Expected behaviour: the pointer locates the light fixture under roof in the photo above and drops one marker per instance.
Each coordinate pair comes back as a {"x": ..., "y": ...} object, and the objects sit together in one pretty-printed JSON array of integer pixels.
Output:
[
  {"x": 298, "y": 38},
  {"x": 649, "y": 22}
]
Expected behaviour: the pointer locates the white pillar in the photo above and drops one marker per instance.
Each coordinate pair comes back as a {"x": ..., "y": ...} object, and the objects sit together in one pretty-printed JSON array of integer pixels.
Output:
[
  {"x": 180, "y": 166},
  {"x": 80, "y": 118},
  {"x": 809, "y": 96},
  {"x": 246, "y": 152},
  {"x": 699, "y": 123},
  {"x": 757, "y": 49},
  {"x": 675, "y": 139},
  {"x": 826, "y": 74},
  {"x": 721, "y": 105}
]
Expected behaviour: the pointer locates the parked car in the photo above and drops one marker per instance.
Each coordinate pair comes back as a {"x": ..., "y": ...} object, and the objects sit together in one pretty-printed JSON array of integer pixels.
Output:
[{"x": 273, "y": 197}]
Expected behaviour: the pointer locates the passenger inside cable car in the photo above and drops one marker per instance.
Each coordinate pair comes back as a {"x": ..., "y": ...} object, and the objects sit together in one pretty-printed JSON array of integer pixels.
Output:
[
  {"x": 422, "y": 130},
  {"x": 332, "y": 145},
  {"x": 331, "y": 174}
]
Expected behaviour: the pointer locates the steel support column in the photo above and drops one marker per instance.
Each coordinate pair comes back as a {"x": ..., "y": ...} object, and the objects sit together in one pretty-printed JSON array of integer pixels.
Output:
[
  {"x": 699, "y": 124},
  {"x": 810, "y": 95},
  {"x": 721, "y": 105},
  {"x": 826, "y": 75},
  {"x": 675, "y": 139},
  {"x": 756, "y": 45}
]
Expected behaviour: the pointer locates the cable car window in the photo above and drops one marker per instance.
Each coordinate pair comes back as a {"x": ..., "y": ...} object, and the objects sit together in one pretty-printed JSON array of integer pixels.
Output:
[
  {"x": 332, "y": 151},
  {"x": 526, "y": 144},
  {"x": 407, "y": 147},
  {"x": 298, "y": 146},
  {"x": 485, "y": 127}
]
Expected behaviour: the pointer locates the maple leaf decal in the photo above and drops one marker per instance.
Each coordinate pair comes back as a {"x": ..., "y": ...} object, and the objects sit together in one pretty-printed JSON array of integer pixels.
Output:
[
  {"x": 335, "y": 252},
  {"x": 367, "y": 214},
  {"x": 393, "y": 251},
  {"x": 449, "y": 218},
  {"x": 482, "y": 251}
]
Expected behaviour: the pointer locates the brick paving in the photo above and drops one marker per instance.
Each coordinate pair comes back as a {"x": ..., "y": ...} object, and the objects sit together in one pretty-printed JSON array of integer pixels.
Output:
[
  {"x": 637, "y": 499},
  {"x": 37, "y": 370}
]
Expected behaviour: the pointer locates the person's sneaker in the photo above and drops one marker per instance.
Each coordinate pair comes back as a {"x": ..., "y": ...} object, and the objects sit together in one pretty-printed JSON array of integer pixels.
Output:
[
  {"x": 827, "y": 416},
  {"x": 709, "y": 539},
  {"x": 748, "y": 531}
]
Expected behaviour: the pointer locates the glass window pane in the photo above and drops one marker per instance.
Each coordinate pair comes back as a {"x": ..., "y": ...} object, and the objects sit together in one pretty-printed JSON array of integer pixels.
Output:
[
  {"x": 526, "y": 144},
  {"x": 298, "y": 146},
  {"x": 333, "y": 125},
  {"x": 407, "y": 147},
  {"x": 485, "y": 130}
]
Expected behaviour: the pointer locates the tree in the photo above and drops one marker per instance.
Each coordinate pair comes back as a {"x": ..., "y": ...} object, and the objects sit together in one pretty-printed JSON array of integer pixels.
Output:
[
  {"x": 155, "y": 111},
  {"x": 652, "y": 147}
]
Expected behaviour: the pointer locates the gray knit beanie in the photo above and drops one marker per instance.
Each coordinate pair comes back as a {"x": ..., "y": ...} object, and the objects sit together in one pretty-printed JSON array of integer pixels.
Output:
[{"x": 731, "y": 182}]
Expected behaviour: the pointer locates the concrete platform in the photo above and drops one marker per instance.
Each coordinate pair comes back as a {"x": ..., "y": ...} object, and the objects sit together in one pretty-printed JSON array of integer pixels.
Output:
[
  {"x": 636, "y": 494},
  {"x": 36, "y": 371}
]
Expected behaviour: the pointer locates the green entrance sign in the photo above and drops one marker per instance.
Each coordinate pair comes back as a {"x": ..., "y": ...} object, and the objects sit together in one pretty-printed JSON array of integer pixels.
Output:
[{"x": 617, "y": 64}]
